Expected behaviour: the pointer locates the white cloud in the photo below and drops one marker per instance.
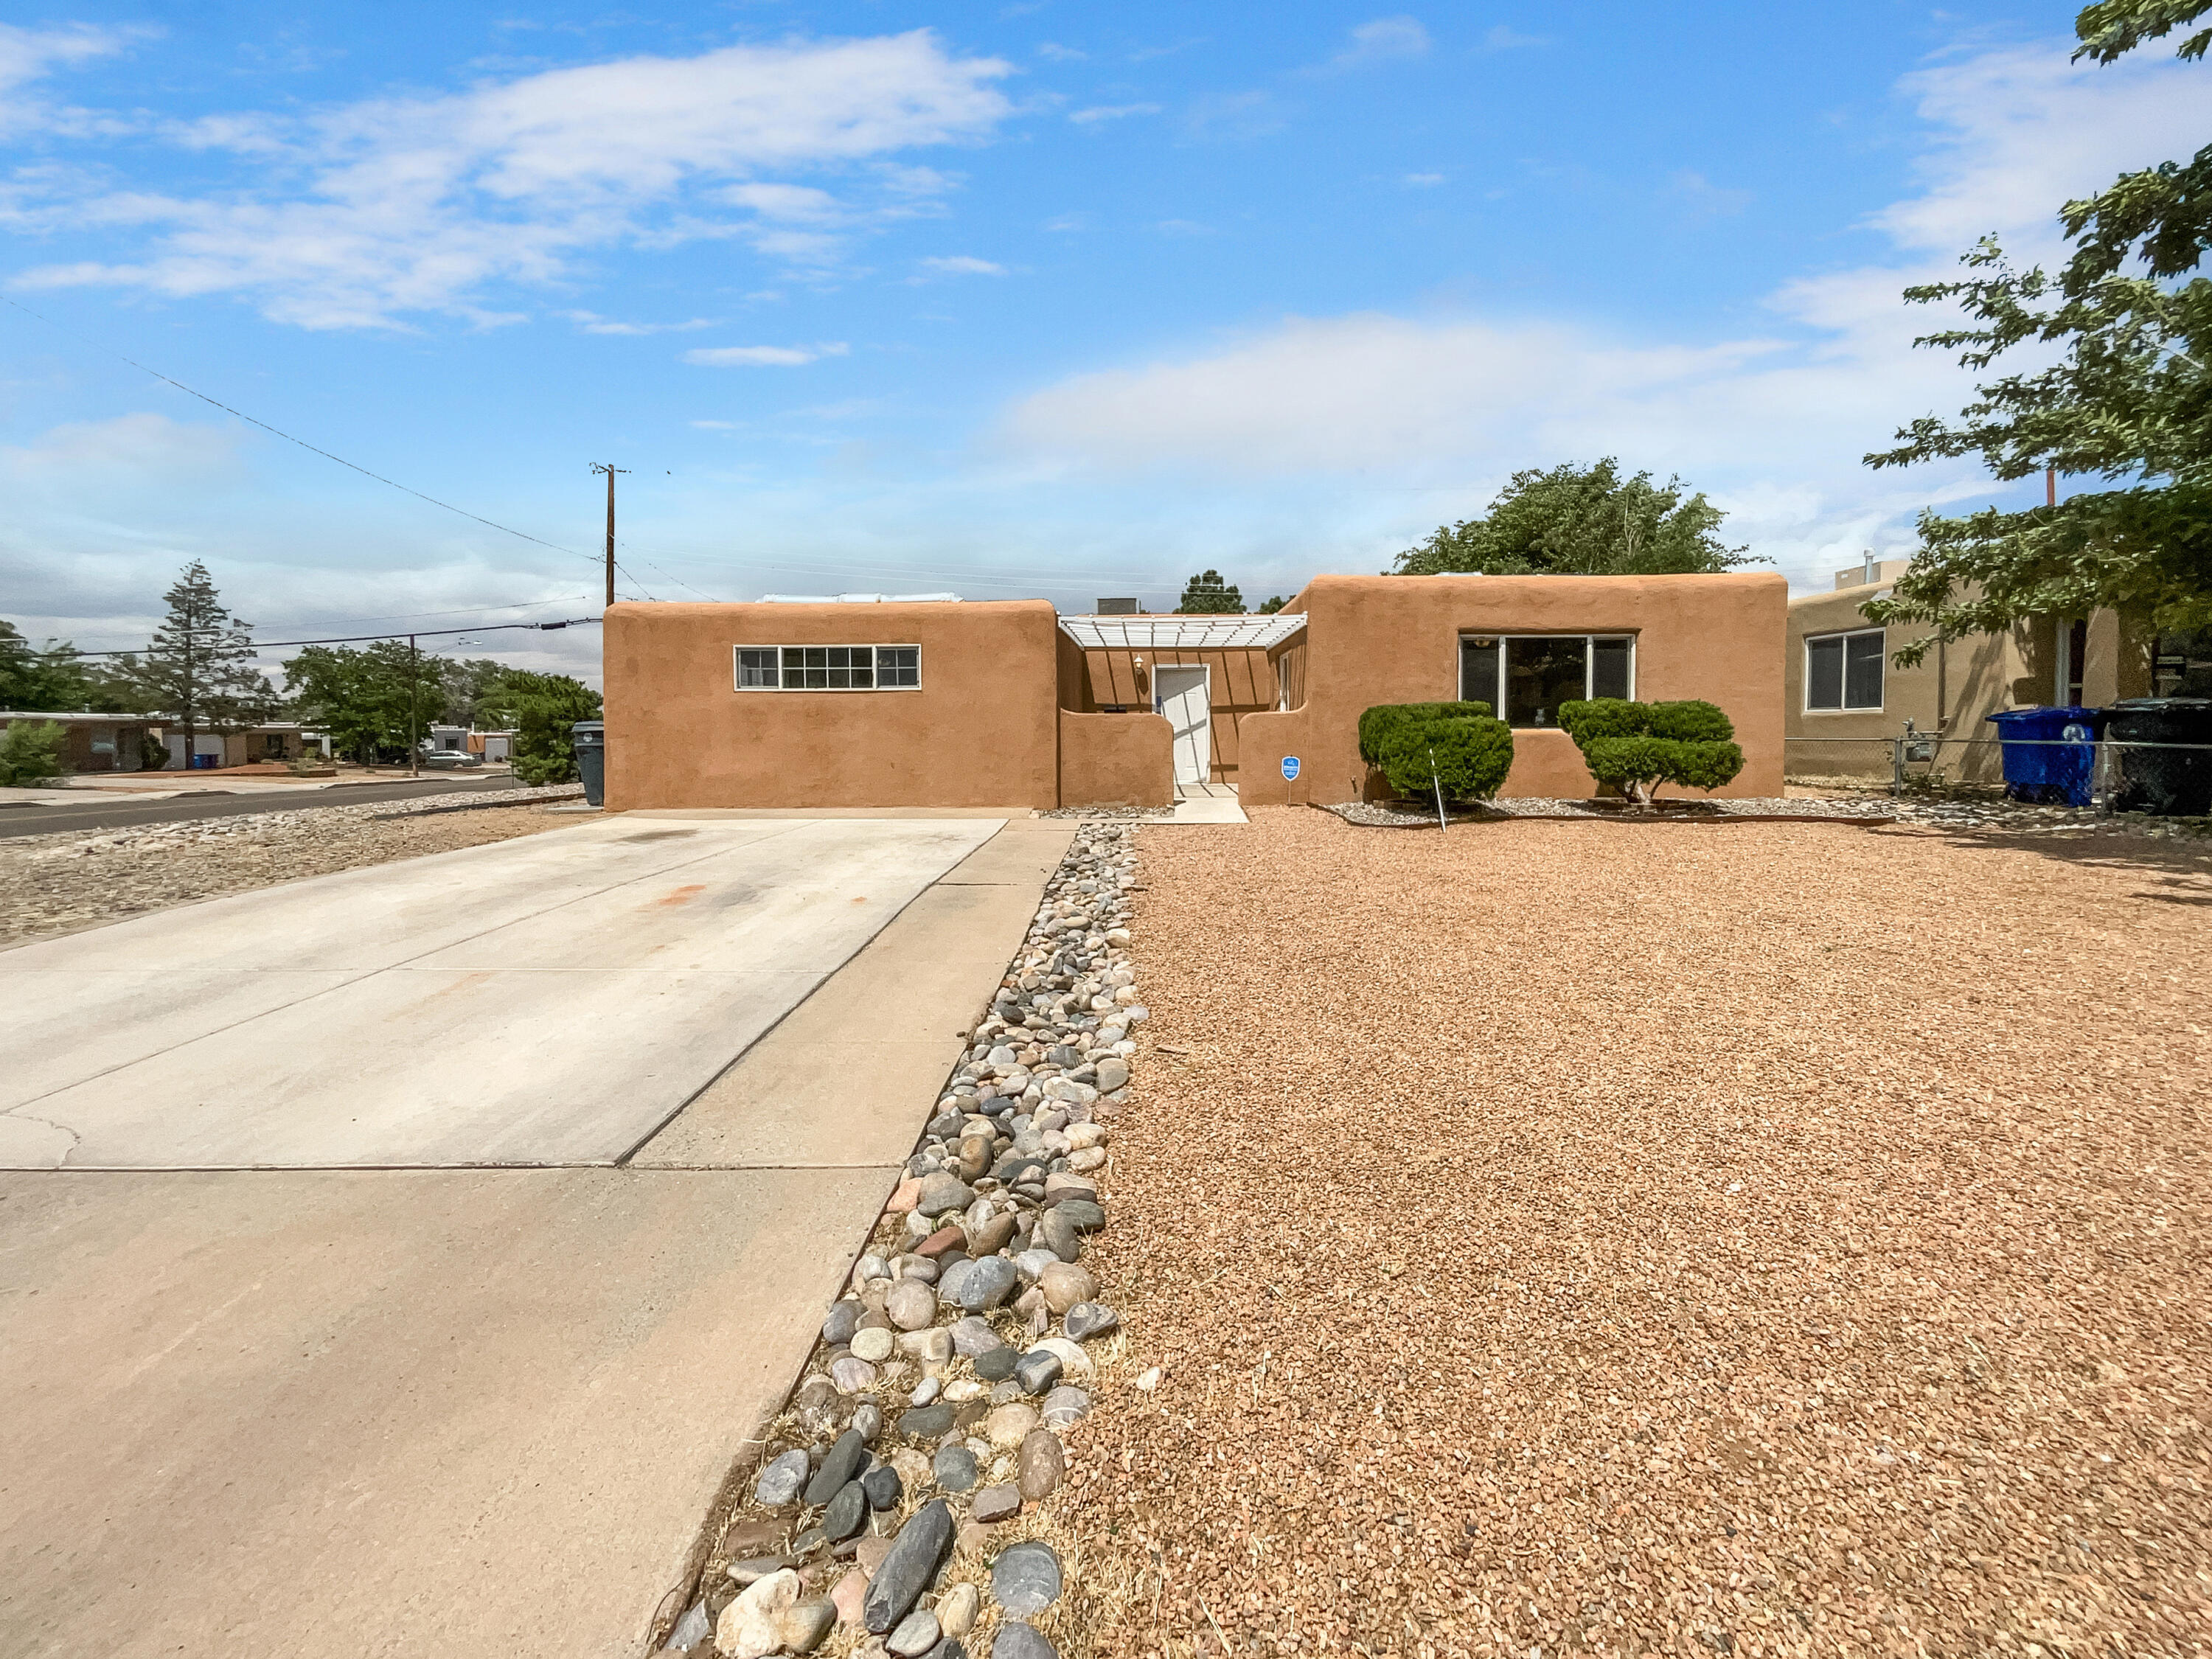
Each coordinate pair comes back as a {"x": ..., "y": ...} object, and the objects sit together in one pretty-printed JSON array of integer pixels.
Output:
[
  {"x": 1422, "y": 180},
  {"x": 30, "y": 55},
  {"x": 1097, "y": 113},
  {"x": 963, "y": 264},
  {"x": 1500, "y": 38},
  {"x": 1704, "y": 199},
  {"x": 763, "y": 356},
  {"x": 591, "y": 322},
  {"x": 1059, "y": 54},
  {"x": 1773, "y": 421},
  {"x": 1383, "y": 41},
  {"x": 127, "y": 450},
  {"x": 420, "y": 204}
]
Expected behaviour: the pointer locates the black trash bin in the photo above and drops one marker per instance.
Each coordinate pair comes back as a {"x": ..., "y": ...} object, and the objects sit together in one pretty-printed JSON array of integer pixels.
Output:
[
  {"x": 2172, "y": 780},
  {"x": 590, "y": 738}
]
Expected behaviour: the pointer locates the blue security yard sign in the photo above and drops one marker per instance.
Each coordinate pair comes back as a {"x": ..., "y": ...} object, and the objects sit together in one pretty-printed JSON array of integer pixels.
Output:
[{"x": 1289, "y": 768}]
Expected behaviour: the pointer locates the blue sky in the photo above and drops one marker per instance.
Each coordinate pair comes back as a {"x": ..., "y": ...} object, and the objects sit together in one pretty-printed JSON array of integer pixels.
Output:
[{"x": 1004, "y": 300}]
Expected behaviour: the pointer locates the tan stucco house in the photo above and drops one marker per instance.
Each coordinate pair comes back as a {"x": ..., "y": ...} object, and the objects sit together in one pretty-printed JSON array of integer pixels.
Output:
[
  {"x": 1846, "y": 699},
  {"x": 868, "y": 702}
]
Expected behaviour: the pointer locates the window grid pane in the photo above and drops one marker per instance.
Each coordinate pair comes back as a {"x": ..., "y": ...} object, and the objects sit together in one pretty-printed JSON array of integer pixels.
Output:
[
  {"x": 898, "y": 665},
  {"x": 1824, "y": 673},
  {"x": 1478, "y": 672},
  {"x": 757, "y": 669}
]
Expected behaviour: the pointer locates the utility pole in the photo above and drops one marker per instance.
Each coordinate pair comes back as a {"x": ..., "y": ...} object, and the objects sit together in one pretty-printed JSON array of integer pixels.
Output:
[
  {"x": 609, "y": 469},
  {"x": 2050, "y": 491},
  {"x": 414, "y": 681}
]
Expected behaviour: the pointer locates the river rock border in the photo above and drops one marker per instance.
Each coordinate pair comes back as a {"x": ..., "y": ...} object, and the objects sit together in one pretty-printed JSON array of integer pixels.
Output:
[{"x": 896, "y": 1510}]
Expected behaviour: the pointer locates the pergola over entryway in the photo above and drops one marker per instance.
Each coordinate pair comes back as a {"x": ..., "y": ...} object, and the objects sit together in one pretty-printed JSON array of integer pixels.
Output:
[{"x": 1181, "y": 633}]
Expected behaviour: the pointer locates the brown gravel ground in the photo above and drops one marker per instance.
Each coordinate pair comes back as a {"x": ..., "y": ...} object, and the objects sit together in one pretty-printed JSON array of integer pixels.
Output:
[
  {"x": 48, "y": 887},
  {"x": 1580, "y": 1238}
]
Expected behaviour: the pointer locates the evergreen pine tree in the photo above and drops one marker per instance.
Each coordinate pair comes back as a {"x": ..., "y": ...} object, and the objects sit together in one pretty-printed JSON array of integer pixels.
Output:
[{"x": 199, "y": 669}]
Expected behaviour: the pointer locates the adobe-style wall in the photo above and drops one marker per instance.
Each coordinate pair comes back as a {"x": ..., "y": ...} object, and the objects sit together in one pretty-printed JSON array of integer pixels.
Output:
[
  {"x": 1240, "y": 684},
  {"x": 1116, "y": 760},
  {"x": 981, "y": 730},
  {"x": 1375, "y": 640}
]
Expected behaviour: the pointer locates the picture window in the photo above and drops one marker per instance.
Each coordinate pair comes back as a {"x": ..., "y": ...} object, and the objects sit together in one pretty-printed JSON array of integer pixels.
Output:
[{"x": 1526, "y": 677}]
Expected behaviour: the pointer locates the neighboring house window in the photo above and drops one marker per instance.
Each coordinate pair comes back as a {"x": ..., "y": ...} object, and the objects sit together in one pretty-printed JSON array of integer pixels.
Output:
[
  {"x": 1526, "y": 677},
  {"x": 829, "y": 667},
  {"x": 1843, "y": 673}
]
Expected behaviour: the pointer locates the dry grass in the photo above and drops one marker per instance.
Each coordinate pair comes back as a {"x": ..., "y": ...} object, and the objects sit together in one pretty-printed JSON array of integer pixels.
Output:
[{"x": 1759, "y": 1239}]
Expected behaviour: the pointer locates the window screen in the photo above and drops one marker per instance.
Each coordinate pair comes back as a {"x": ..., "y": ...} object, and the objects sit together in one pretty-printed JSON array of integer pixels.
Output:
[
  {"x": 1540, "y": 674},
  {"x": 756, "y": 668},
  {"x": 1609, "y": 668},
  {"x": 1478, "y": 672},
  {"x": 1843, "y": 671}
]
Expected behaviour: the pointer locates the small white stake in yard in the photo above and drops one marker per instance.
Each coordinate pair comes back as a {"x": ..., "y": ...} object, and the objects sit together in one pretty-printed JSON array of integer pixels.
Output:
[{"x": 1439, "y": 783}]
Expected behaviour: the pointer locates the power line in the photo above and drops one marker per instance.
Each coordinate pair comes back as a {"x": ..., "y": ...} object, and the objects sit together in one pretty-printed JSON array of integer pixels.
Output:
[
  {"x": 357, "y": 639},
  {"x": 217, "y": 404}
]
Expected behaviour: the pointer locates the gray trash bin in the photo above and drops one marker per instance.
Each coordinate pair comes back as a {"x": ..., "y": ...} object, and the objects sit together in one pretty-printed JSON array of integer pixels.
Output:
[{"x": 590, "y": 738}]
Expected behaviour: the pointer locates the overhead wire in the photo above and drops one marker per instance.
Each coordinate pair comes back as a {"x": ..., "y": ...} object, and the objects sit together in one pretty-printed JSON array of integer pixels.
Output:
[{"x": 279, "y": 432}]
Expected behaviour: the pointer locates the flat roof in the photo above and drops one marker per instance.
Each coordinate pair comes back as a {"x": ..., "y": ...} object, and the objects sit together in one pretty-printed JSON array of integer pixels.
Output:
[{"x": 1114, "y": 632}]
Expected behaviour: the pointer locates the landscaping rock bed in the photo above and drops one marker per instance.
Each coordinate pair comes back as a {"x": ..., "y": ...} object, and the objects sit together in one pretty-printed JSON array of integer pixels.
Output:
[
  {"x": 60, "y": 883},
  {"x": 1104, "y": 813},
  {"x": 902, "y": 1503}
]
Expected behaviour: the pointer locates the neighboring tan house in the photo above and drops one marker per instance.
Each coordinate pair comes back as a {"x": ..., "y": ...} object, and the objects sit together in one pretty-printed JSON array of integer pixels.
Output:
[
  {"x": 97, "y": 742},
  {"x": 269, "y": 741},
  {"x": 866, "y": 701},
  {"x": 1846, "y": 699}
]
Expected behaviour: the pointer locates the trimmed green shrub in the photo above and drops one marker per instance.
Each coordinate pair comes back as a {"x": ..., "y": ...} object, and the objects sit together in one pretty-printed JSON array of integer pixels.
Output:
[
  {"x": 30, "y": 753},
  {"x": 1690, "y": 721},
  {"x": 1636, "y": 747},
  {"x": 1466, "y": 756},
  {"x": 1377, "y": 724}
]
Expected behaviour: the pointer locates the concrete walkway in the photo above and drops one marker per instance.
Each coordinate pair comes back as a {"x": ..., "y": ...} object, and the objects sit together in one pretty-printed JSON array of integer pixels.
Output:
[{"x": 315, "y": 1409}]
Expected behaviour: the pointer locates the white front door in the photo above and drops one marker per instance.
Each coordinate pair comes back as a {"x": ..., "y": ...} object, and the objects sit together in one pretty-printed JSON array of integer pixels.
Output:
[{"x": 1180, "y": 695}]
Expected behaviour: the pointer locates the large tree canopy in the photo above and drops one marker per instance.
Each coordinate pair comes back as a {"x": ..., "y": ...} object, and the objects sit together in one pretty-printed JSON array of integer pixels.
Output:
[
  {"x": 1578, "y": 520},
  {"x": 2129, "y": 400}
]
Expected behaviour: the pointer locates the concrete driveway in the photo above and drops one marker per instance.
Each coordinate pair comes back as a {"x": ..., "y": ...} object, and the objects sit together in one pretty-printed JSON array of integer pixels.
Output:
[{"x": 395, "y": 1263}]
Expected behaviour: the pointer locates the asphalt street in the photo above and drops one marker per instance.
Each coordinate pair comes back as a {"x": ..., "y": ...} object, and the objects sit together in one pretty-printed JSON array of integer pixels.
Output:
[{"x": 104, "y": 812}]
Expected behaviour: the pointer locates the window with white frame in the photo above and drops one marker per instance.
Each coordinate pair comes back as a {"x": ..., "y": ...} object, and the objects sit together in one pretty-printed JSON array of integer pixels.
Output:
[
  {"x": 1843, "y": 672},
  {"x": 829, "y": 667},
  {"x": 1525, "y": 677}
]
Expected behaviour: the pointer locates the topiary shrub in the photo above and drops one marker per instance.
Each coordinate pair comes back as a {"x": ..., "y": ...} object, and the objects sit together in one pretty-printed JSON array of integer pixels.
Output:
[
  {"x": 1466, "y": 756},
  {"x": 1636, "y": 746},
  {"x": 1379, "y": 723}
]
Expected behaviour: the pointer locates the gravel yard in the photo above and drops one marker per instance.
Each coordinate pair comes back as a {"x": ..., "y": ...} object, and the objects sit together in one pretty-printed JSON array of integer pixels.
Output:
[
  {"x": 52, "y": 885},
  {"x": 1566, "y": 1237}
]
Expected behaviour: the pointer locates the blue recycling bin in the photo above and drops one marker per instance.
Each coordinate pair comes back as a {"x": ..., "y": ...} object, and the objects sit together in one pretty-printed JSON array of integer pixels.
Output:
[{"x": 2049, "y": 754}]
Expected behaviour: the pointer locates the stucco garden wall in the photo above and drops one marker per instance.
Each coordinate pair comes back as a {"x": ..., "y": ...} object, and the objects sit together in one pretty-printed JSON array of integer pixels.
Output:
[{"x": 1116, "y": 760}]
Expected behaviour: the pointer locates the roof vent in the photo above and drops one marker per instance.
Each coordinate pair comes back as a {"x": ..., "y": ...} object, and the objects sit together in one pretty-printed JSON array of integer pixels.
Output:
[{"x": 1118, "y": 608}]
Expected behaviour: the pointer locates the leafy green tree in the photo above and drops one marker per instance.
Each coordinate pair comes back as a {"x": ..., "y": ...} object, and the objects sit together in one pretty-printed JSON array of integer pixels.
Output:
[
  {"x": 1583, "y": 521},
  {"x": 198, "y": 669},
  {"x": 55, "y": 679},
  {"x": 30, "y": 752},
  {"x": 541, "y": 707},
  {"x": 2128, "y": 401},
  {"x": 373, "y": 700},
  {"x": 1275, "y": 605},
  {"x": 1207, "y": 595}
]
